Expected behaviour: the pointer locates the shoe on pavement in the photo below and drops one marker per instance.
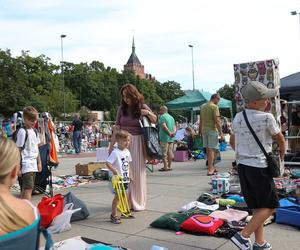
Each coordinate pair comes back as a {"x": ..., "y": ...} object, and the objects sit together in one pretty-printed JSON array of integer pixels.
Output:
[
  {"x": 115, "y": 219},
  {"x": 241, "y": 242},
  {"x": 265, "y": 246}
]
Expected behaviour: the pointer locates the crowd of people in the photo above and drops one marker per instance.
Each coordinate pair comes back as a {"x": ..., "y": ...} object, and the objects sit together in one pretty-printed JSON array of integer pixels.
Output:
[{"x": 127, "y": 156}]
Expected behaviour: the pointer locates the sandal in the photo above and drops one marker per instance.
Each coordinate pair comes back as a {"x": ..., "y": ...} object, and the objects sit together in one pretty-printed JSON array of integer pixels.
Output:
[
  {"x": 210, "y": 174},
  {"x": 130, "y": 216},
  {"x": 163, "y": 169},
  {"x": 115, "y": 219}
]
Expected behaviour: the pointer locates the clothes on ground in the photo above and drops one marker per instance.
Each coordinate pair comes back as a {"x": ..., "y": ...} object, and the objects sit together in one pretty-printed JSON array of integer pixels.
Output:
[
  {"x": 247, "y": 150},
  {"x": 120, "y": 159},
  {"x": 197, "y": 204},
  {"x": 230, "y": 215},
  {"x": 31, "y": 151},
  {"x": 169, "y": 121}
]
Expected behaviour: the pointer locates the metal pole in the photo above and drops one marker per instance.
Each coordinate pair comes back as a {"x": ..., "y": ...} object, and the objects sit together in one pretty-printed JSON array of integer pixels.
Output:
[
  {"x": 192, "y": 50},
  {"x": 62, "y": 73}
]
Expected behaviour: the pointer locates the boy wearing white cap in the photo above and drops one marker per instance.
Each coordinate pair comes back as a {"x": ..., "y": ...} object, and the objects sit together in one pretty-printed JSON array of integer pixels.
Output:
[{"x": 256, "y": 183}]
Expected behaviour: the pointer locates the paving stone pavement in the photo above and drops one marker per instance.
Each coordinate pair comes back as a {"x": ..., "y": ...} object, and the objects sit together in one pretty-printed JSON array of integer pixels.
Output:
[{"x": 167, "y": 192}]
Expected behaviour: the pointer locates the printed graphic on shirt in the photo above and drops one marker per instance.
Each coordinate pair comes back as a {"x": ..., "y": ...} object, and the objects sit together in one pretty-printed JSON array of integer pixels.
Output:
[
  {"x": 120, "y": 160},
  {"x": 125, "y": 168}
]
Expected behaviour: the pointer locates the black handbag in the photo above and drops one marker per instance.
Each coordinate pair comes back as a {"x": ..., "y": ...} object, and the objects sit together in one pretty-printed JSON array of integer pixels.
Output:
[
  {"x": 272, "y": 162},
  {"x": 150, "y": 134}
]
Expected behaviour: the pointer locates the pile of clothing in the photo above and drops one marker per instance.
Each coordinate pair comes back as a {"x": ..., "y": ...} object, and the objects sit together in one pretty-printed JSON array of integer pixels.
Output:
[
  {"x": 66, "y": 181},
  {"x": 209, "y": 215}
]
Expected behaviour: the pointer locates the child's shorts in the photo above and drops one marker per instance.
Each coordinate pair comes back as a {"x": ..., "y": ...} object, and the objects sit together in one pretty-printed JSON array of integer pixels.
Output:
[
  {"x": 258, "y": 187},
  {"x": 28, "y": 180}
]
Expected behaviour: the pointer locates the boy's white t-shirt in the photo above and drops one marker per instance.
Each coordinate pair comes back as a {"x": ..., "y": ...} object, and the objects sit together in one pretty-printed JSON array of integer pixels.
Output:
[
  {"x": 247, "y": 150},
  {"x": 30, "y": 152},
  {"x": 120, "y": 160}
]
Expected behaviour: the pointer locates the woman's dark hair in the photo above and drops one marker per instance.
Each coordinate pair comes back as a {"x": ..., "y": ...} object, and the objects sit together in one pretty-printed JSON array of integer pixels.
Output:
[{"x": 136, "y": 98}]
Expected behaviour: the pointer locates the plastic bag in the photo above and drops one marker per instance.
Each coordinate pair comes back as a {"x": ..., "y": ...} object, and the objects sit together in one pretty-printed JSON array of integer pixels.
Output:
[{"x": 61, "y": 223}]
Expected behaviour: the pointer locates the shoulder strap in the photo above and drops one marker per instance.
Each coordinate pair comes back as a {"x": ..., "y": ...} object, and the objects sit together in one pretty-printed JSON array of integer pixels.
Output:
[
  {"x": 254, "y": 135},
  {"x": 26, "y": 137}
]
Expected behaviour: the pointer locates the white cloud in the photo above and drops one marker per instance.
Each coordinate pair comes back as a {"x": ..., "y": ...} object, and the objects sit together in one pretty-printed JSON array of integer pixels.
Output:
[{"x": 222, "y": 32}]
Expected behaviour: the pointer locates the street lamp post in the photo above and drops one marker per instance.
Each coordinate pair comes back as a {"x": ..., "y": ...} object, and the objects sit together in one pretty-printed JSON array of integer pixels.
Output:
[
  {"x": 294, "y": 13},
  {"x": 192, "y": 50},
  {"x": 62, "y": 72}
]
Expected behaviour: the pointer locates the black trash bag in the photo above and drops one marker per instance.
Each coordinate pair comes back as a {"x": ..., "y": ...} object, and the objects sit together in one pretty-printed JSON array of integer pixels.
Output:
[{"x": 83, "y": 213}]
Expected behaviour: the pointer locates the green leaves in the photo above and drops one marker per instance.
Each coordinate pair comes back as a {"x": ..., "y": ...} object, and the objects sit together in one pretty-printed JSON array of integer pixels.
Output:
[{"x": 35, "y": 81}]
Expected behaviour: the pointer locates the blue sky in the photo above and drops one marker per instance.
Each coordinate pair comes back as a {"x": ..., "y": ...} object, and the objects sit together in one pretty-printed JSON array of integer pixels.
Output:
[{"x": 222, "y": 33}]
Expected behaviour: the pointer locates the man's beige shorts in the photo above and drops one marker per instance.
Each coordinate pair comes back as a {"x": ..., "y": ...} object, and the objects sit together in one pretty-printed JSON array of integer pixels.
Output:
[
  {"x": 167, "y": 149},
  {"x": 210, "y": 139}
]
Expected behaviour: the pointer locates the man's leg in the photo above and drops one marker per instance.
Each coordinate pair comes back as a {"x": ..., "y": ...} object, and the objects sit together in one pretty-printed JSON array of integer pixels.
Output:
[
  {"x": 75, "y": 141},
  {"x": 79, "y": 141},
  {"x": 165, "y": 155},
  {"x": 210, "y": 152},
  {"x": 256, "y": 224},
  {"x": 170, "y": 155}
]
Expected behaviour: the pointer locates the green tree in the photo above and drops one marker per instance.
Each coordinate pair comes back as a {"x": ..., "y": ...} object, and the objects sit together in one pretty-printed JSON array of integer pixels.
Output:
[{"x": 228, "y": 92}]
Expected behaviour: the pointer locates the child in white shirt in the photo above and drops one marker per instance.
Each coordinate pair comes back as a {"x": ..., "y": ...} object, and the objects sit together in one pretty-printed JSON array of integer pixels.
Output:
[
  {"x": 118, "y": 164},
  {"x": 27, "y": 142}
]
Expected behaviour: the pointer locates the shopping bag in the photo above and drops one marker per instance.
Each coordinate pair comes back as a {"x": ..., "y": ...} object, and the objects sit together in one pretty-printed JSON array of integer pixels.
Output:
[
  {"x": 62, "y": 222},
  {"x": 49, "y": 208},
  {"x": 81, "y": 214},
  {"x": 150, "y": 134}
]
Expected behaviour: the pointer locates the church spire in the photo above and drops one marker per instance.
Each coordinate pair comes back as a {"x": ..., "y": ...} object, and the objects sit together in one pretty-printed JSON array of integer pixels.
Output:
[{"x": 133, "y": 45}]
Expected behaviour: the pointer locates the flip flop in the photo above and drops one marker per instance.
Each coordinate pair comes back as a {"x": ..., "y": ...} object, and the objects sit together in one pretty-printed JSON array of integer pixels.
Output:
[
  {"x": 210, "y": 174},
  {"x": 162, "y": 169},
  {"x": 169, "y": 169}
]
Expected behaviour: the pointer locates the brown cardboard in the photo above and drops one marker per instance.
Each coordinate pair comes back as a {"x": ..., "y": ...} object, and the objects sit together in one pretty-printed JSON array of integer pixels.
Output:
[{"x": 88, "y": 169}]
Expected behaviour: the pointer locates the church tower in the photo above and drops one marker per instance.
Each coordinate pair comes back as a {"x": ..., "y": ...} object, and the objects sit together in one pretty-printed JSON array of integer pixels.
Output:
[{"x": 134, "y": 63}]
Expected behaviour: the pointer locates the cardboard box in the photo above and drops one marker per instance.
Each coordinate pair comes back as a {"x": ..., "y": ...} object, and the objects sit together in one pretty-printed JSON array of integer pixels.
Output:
[{"x": 88, "y": 169}]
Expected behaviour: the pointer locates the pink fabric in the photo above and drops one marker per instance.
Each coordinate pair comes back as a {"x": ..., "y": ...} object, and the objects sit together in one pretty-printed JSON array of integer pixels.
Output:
[
  {"x": 138, "y": 185},
  {"x": 230, "y": 214}
]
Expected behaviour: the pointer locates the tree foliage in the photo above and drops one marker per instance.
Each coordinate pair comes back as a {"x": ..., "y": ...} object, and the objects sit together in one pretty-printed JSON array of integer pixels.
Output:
[
  {"x": 228, "y": 92},
  {"x": 36, "y": 81},
  {"x": 26, "y": 80}
]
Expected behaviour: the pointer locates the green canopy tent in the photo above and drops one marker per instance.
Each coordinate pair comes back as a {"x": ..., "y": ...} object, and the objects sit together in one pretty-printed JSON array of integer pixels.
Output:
[{"x": 194, "y": 99}]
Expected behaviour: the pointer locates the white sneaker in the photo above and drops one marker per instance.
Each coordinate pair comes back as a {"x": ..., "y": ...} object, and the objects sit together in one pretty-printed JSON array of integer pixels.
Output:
[{"x": 241, "y": 242}]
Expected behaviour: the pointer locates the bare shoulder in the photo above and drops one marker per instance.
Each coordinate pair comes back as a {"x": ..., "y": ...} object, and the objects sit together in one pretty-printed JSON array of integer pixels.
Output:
[{"x": 22, "y": 208}]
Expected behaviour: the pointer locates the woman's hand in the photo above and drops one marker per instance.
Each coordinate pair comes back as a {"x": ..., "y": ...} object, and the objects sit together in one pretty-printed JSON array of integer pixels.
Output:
[{"x": 145, "y": 112}]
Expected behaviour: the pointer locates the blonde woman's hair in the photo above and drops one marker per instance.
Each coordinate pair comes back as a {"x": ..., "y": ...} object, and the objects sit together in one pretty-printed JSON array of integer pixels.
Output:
[
  {"x": 10, "y": 221},
  {"x": 9, "y": 157}
]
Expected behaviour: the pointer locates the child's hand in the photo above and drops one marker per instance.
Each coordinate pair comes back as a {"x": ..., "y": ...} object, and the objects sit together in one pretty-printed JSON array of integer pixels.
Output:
[
  {"x": 114, "y": 171},
  {"x": 40, "y": 168}
]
